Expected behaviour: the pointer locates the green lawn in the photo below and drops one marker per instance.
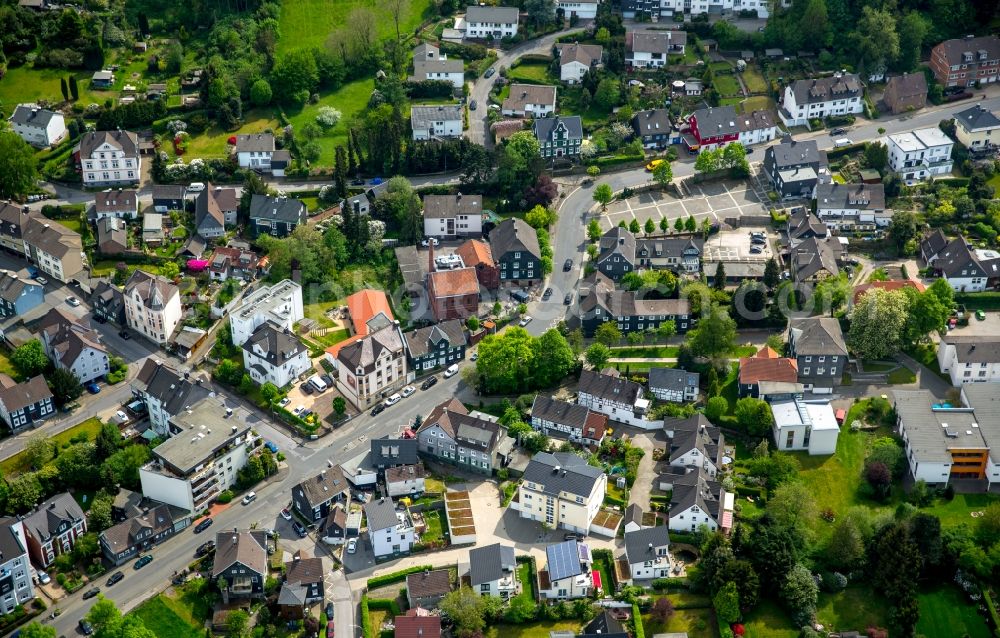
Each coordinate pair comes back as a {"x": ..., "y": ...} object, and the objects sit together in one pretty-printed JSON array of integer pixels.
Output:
[
  {"x": 769, "y": 621},
  {"x": 6, "y": 367},
  {"x": 854, "y": 608},
  {"x": 531, "y": 630},
  {"x": 531, "y": 72},
  {"x": 308, "y": 23},
  {"x": 901, "y": 375},
  {"x": 16, "y": 464},
  {"x": 167, "y": 618},
  {"x": 727, "y": 85},
  {"x": 73, "y": 224},
  {"x": 696, "y": 622},
  {"x": 527, "y": 583},
  {"x": 28, "y": 84},
  {"x": 754, "y": 80},
  {"x": 212, "y": 143},
  {"x": 350, "y": 99},
  {"x": 946, "y": 612},
  {"x": 434, "y": 527},
  {"x": 879, "y": 366},
  {"x": 756, "y": 103}
]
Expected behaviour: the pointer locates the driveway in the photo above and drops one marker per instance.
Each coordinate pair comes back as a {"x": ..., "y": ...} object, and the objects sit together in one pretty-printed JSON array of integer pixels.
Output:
[{"x": 645, "y": 475}]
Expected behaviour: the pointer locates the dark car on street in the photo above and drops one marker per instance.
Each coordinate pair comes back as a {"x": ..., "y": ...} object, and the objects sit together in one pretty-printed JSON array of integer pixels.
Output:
[
  {"x": 142, "y": 562},
  {"x": 838, "y": 131},
  {"x": 429, "y": 383},
  {"x": 568, "y": 299},
  {"x": 568, "y": 266},
  {"x": 90, "y": 593},
  {"x": 377, "y": 410},
  {"x": 300, "y": 529},
  {"x": 125, "y": 335},
  {"x": 547, "y": 294},
  {"x": 329, "y": 610},
  {"x": 117, "y": 576},
  {"x": 205, "y": 548},
  {"x": 86, "y": 627},
  {"x": 203, "y": 525},
  {"x": 489, "y": 73}
]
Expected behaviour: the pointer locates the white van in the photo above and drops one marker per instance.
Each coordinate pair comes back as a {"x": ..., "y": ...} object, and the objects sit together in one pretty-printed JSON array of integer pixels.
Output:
[
  {"x": 451, "y": 371},
  {"x": 317, "y": 383},
  {"x": 196, "y": 187},
  {"x": 842, "y": 142}
]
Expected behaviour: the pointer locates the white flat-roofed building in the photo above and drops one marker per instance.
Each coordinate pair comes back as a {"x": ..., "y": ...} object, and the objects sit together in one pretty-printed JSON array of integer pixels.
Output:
[
  {"x": 920, "y": 154},
  {"x": 281, "y": 304},
  {"x": 805, "y": 425}
]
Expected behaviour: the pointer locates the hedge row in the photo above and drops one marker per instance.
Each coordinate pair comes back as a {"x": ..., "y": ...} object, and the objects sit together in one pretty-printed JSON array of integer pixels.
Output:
[
  {"x": 991, "y": 607},
  {"x": 386, "y": 604},
  {"x": 665, "y": 584},
  {"x": 640, "y": 632},
  {"x": 611, "y": 500},
  {"x": 366, "y": 619},
  {"x": 396, "y": 577},
  {"x": 749, "y": 490}
]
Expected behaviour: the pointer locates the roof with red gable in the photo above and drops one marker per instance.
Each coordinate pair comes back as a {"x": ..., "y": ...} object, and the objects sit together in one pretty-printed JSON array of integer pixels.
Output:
[
  {"x": 767, "y": 365},
  {"x": 364, "y": 305},
  {"x": 474, "y": 252},
  {"x": 418, "y": 626},
  {"x": 887, "y": 285}
]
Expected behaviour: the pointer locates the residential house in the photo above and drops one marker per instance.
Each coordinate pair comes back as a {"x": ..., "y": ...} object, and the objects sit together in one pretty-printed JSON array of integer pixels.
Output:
[
  {"x": 255, "y": 151},
  {"x": 230, "y": 262},
  {"x": 12, "y": 219},
  {"x": 405, "y": 480},
  {"x": 453, "y": 294},
  {"x": 931, "y": 246},
  {"x": 968, "y": 359},
  {"x": 920, "y": 154},
  {"x": 109, "y": 157},
  {"x": 152, "y": 306},
  {"x": 240, "y": 565},
  {"x": 945, "y": 443},
  {"x": 448, "y": 216},
  {"x": 166, "y": 393},
  {"x": 493, "y": 571},
  {"x": 852, "y": 207},
  {"x": 53, "y": 527},
  {"x": 388, "y": 453},
  {"x": 102, "y": 80},
  {"x": 559, "y": 136},
  {"x": 575, "y": 60},
  {"x": 477, "y": 254},
  {"x": 817, "y": 345},
  {"x": 529, "y": 100},
  {"x": 803, "y": 225},
  {"x": 152, "y": 229},
  {"x": 55, "y": 249},
  {"x": 335, "y": 526},
  {"x": 427, "y": 588},
  {"x": 26, "y": 404},
  {"x": 804, "y": 100},
  {"x": 561, "y": 490},
  {"x": 633, "y": 518},
  {"x": 616, "y": 253},
  {"x": 139, "y": 533},
  {"x": 905, "y": 93},
  {"x": 436, "y": 346},
  {"x": 276, "y": 356},
  {"x": 805, "y": 425},
  {"x": 514, "y": 245},
  {"x": 581, "y": 9},
  {"x": 390, "y": 530},
  {"x": 602, "y": 302},
  {"x": 566, "y": 420},
  {"x": 436, "y": 120},
  {"x": 315, "y": 497},
  {"x": 768, "y": 374},
  {"x": 697, "y": 500},
  {"x": 490, "y": 23},
  {"x": 280, "y": 304},
  {"x": 112, "y": 236},
  {"x": 358, "y": 204},
  {"x": 794, "y": 168},
  {"x": 107, "y": 303},
  {"x": 120, "y": 203},
  {"x": 366, "y": 305},
  {"x": 695, "y": 443},
  {"x": 18, "y": 296},
  {"x": 966, "y": 62},
  {"x": 307, "y": 573},
  {"x": 610, "y": 394},
  {"x": 974, "y": 128},
  {"x": 15, "y": 567},
  {"x": 37, "y": 126},
  {"x": 653, "y": 127},
  {"x": 673, "y": 384},
  {"x": 716, "y": 127},
  {"x": 968, "y": 269},
  {"x": 647, "y": 552},
  {"x": 369, "y": 368},
  {"x": 567, "y": 572},
  {"x": 73, "y": 345},
  {"x": 417, "y": 625},
  {"x": 215, "y": 209},
  {"x": 682, "y": 255},
  {"x": 451, "y": 435},
  {"x": 275, "y": 216},
  {"x": 650, "y": 49},
  {"x": 168, "y": 197},
  {"x": 671, "y": 10},
  {"x": 814, "y": 260},
  {"x": 439, "y": 69}
]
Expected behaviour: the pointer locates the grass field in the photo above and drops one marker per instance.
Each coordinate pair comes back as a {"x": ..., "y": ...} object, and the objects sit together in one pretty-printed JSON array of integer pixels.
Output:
[
  {"x": 18, "y": 463},
  {"x": 756, "y": 103},
  {"x": 6, "y": 367},
  {"x": 754, "y": 80},
  {"x": 532, "y": 73},
  {"x": 350, "y": 99},
  {"x": 212, "y": 143},
  {"x": 531, "y": 630},
  {"x": 28, "y": 84},
  {"x": 944, "y": 612},
  {"x": 696, "y": 622},
  {"x": 73, "y": 224},
  {"x": 769, "y": 621},
  {"x": 901, "y": 376},
  {"x": 308, "y": 23},
  {"x": 726, "y": 84}
]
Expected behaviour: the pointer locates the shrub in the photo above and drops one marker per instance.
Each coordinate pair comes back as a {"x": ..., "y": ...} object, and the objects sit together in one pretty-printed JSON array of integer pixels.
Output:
[
  {"x": 226, "y": 496},
  {"x": 395, "y": 577},
  {"x": 328, "y": 116}
]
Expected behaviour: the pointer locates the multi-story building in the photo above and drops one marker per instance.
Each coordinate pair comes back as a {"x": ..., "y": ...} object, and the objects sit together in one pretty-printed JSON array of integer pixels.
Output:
[
  {"x": 817, "y": 345},
  {"x": 54, "y": 248},
  {"x": 647, "y": 552},
  {"x": 653, "y": 128},
  {"x": 804, "y": 100},
  {"x": 611, "y": 394},
  {"x": 119, "y": 203},
  {"x": 436, "y": 346},
  {"x": 25, "y": 404},
  {"x": 490, "y": 23},
  {"x": 906, "y": 93},
  {"x": 529, "y": 100},
  {"x": 229, "y": 262},
  {"x": 240, "y": 565},
  {"x": 920, "y": 154},
  {"x": 107, "y": 303},
  {"x": 576, "y": 59},
  {"x": 152, "y": 306},
  {"x": 453, "y": 293},
  {"x": 695, "y": 443},
  {"x": 967, "y": 61},
  {"x": 315, "y": 497},
  {"x": 449, "y": 216},
  {"x": 436, "y": 120},
  {"x": 567, "y": 572},
  {"x": 112, "y": 236},
  {"x": 255, "y": 151},
  {"x": 514, "y": 245},
  {"x": 12, "y": 219},
  {"x": 583, "y": 10},
  {"x": 477, "y": 254},
  {"x": 372, "y": 366},
  {"x": 561, "y": 490},
  {"x": 716, "y": 127},
  {"x": 697, "y": 500},
  {"x": 974, "y": 128},
  {"x": 18, "y": 296},
  {"x": 405, "y": 480},
  {"x": 967, "y": 359},
  {"x": 280, "y": 304},
  {"x": 390, "y": 530},
  {"x": 559, "y": 136},
  {"x": 566, "y": 420},
  {"x": 967, "y": 269},
  {"x": 166, "y": 393},
  {"x": 53, "y": 527},
  {"x": 140, "y": 532},
  {"x": 15, "y": 567},
  {"x": 427, "y": 588},
  {"x": 441, "y": 69},
  {"x": 273, "y": 355},
  {"x": 650, "y": 49},
  {"x": 275, "y": 216},
  {"x": 493, "y": 571},
  {"x": 602, "y": 302},
  {"x": 215, "y": 210},
  {"x": 794, "y": 168},
  {"x": 803, "y": 225},
  {"x": 209, "y": 443},
  {"x": 852, "y": 207},
  {"x": 814, "y": 259},
  {"x": 451, "y": 435},
  {"x": 658, "y": 10},
  {"x": 673, "y": 384},
  {"x": 109, "y": 157},
  {"x": 71, "y": 345},
  {"x": 168, "y": 197},
  {"x": 37, "y": 126}
]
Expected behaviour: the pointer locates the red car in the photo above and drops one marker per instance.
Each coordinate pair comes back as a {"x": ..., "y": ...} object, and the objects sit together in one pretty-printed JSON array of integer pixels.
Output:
[{"x": 329, "y": 628}]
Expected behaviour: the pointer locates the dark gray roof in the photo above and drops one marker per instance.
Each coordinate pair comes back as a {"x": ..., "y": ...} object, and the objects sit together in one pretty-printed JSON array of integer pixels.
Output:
[
  {"x": 31, "y": 114},
  {"x": 168, "y": 386},
  {"x": 381, "y": 514},
  {"x": 254, "y": 143},
  {"x": 792, "y": 152},
  {"x": 44, "y": 522},
  {"x": 514, "y": 235},
  {"x": 953, "y": 49},
  {"x": 814, "y": 255},
  {"x": 115, "y": 200},
  {"x": 482, "y": 13},
  {"x": 421, "y": 341},
  {"x": 127, "y": 141},
  {"x": 655, "y": 41},
  {"x": 249, "y": 548},
  {"x": 850, "y": 196},
  {"x": 168, "y": 191},
  {"x": 278, "y": 345},
  {"x": 975, "y": 349},
  {"x": 818, "y": 335},
  {"x": 364, "y": 353},
  {"x": 544, "y": 127},
  {"x": 326, "y": 485},
  {"x": 17, "y": 396},
  {"x": 449, "y": 206},
  {"x": 617, "y": 241},
  {"x": 637, "y": 543},
  {"x": 610, "y": 387},
  {"x": 717, "y": 120},
  {"x": 604, "y": 625},
  {"x": 10, "y": 544},
  {"x": 283, "y": 209},
  {"x": 488, "y": 564},
  {"x": 976, "y": 118},
  {"x": 12, "y": 286},
  {"x": 633, "y": 514},
  {"x": 389, "y": 452},
  {"x": 436, "y": 582},
  {"x": 652, "y": 122},
  {"x": 825, "y": 89},
  {"x": 695, "y": 432},
  {"x": 934, "y": 243},
  {"x": 802, "y": 223},
  {"x": 958, "y": 256},
  {"x": 660, "y": 247},
  {"x": 562, "y": 472},
  {"x": 561, "y": 412},
  {"x": 562, "y": 560},
  {"x": 906, "y": 85},
  {"x": 154, "y": 291},
  {"x": 436, "y": 65},
  {"x": 292, "y": 595},
  {"x": 672, "y": 378},
  {"x": 123, "y": 535},
  {"x": 422, "y": 116},
  {"x": 696, "y": 488}
]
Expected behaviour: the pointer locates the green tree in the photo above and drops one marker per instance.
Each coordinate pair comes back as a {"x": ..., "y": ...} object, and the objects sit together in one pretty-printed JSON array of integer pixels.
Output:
[
  {"x": 608, "y": 334},
  {"x": 663, "y": 174},
  {"x": 734, "y": 157},
  {"x": 664, "y": 225},
  {"x": 690, "y": 225},
  {"x": 122, "y": 468},
  {"x": 107, "y": 441},
  {"x": 727, "y": 603},
  {"x": 877, "y": 323},
  {"x": 754, "y": 416},
  {"x": 708, "y": 161},
  {"x": 74, "y": 90},
  {"x": 598, "y": 355},
  {"x": 678, "y": 224},
  {"x": 876, "y": 156},
  {"x": 666, "y": 330},
  {"x": 65, "y": 386},
  {"x": 875, "y": 38},
  {"x": 518, "y": 163},
  {"x": 715, "y": 408},
  {"x": 913, "y": 29},
  {"x": 506, "y": 360},
  {"x": 793, "y": 507},
  {"x": 466, "y": 609},
  {"x": 800, "y": 593},
  {"x": 78, "y": 466},
  {"x": 903, "y": 227},
  {"x": 522, "y": 609},
  {"x": 715, "y": 335},
  {"x": 593, "y": 171},
  {"x": 772, "y": 275},
  {"x": 594, "y": 231},
  {"x": 269, "y": 392},
  {"x": 814, "y": 26},
  {"x": 170, "y": 270},
  {"x": 339, "y": 406},
  {"x": 260, "y": 93},
  {"x": 25, "y": 492},
  {"x": 37, "y": 630},
  {"x": 633, "y": 227},
  {"x": 608, "y": 94},
  {"x": 238, "y": 624},
  {"x": 540, "y": 217},
  {"x": 39, "y": 450},
  {"x": 64, "y": 88},
  {"x": 719, "y": 280},
  {"x": 846, "y": 548},
  {"x": 603, "y": 195},
  {"x": 650, "y": 226},
  {"x": 294, "y": 72},
  {"x": 553, "y": 359},
  {"x": 29, "y": 358},
  {"x": 99, "y": 514}
]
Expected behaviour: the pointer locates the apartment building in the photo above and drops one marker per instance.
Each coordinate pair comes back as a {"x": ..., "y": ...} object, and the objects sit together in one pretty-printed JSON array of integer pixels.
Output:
[
  {"x": 25, "y": 404},
  {"x": 280, "y": 304},
  {"x": 473, "y": 442},
  {"x": 273, "y": 355},
  {"x": 37, "y": 126},
  {"x": 109, "y": 157},
  {"x": 52, "y": 528},
  {"x": 367, "y": 369},
  {"x": 71, "y": 345},
  {"x": 967, "y": 61},
  {"x": 152, "y": 306},
  {"x": 390, "y": 530},
  {"x": 166, "y": 393},
  {"x": 492, "y": 23},
  {"x": 840, "y": 94},
  {"x": 920, "y": 154},
  {"x": 15, "y": 567},
  {"x": 561, "y": 490},
  {"x": 54, "y": 248},
  {"x": 969, "y": 359}
]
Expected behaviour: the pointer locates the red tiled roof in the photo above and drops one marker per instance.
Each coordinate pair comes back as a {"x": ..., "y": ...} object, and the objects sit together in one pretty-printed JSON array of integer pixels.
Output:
[
  {"x": 766, "y": 365},
  {"x": 475, "y": 252},
  {"x": 887, "y": 285},
  {"x": 454, "y": 283},
  {"x": 418, "y": 626},
  {"x": 595, "y": 426},
  {"x": 365, "y": 304}
]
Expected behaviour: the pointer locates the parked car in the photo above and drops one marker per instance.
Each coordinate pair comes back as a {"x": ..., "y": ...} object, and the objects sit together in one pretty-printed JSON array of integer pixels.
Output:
[
  {"x": 352, "y": 546},
  {"x": 360, "y": 497},
  {"x": 93, "y": 388},
  {"x": 475, "y": 356},
  {"x": 142, "y": 562},
  {"x": 285, "y": 514},
  {"x": 327, "y": 379},
  {"x": 393, "y": 400},
  {"x": 489, "y": 72},
  {"x": 568, "y": 266},
  {"x": 271, "y": 447},
  {"x": 451, "y": 371},
  {"x": 329, "y": 610},
  {"x": 428, "y": 383},
  {"x": 116, "y": 577},
  {"x": 124, "y": 335},
  {"x": 121, "y": 416},
  {"x": 980, "y": 315},
  {"x": 205, "y": 548},
  {"x": 357, "y": 182},
  {"x": 90, "y": 593},
  {"x": 758, "y": 240},
  {"x": 307, "y": 388},
  {"x": 203, "y": 525},
  {"x": 43, "y": 577},
  {"x": 756, "y": 250},
  {"x": 472, "y": 105},
  {"x": 73, "y": 301},
  {"x": 298, "y": 410},
  {"x": 407, "y": 391},
  {"x": 86, "y": 627},
  {"x": 249, "y": 498},
  {"x": 299, "y": 528},
  {"x": 427, "y": 242},
  {"x": 41, "y": 280},
  {"x": 568, "y": 299},
  {"x": 284, "y": 401},
  {"x": 838, "y": 131},
  {"x": 525, "y": 320},
  {"x": 652, "y": 165},
  {"x": 377, "y": 410},
  {"x": 547, "y": 294}
]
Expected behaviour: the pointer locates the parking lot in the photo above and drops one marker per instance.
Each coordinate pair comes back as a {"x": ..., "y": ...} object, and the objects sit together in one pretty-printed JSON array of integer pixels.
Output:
[
  {"x": 716, "y": 201},
  {"x": 990, "y": 327},
  {"x": 735, "y": 245}
]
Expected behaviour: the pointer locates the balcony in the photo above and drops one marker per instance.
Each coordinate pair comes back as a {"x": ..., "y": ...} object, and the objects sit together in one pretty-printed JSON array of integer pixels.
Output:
[{"x": 241, "y": 586}]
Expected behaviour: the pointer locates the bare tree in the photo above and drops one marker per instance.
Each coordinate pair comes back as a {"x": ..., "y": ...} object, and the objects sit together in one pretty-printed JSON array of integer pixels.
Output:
[
  {"x": 339, "y": 44},
  {"x": 399, "y": 9},
  {"x": 362, "y": 27}
]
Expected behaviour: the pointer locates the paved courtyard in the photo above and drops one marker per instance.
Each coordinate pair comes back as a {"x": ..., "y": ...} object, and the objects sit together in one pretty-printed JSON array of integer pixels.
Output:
[
  {"x": 717, "y": 201},
  {"x": 733, "y": 245}
]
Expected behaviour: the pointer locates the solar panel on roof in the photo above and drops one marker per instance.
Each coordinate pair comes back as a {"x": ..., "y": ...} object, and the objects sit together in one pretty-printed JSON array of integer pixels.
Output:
[{"x": 563, "y": 560}]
